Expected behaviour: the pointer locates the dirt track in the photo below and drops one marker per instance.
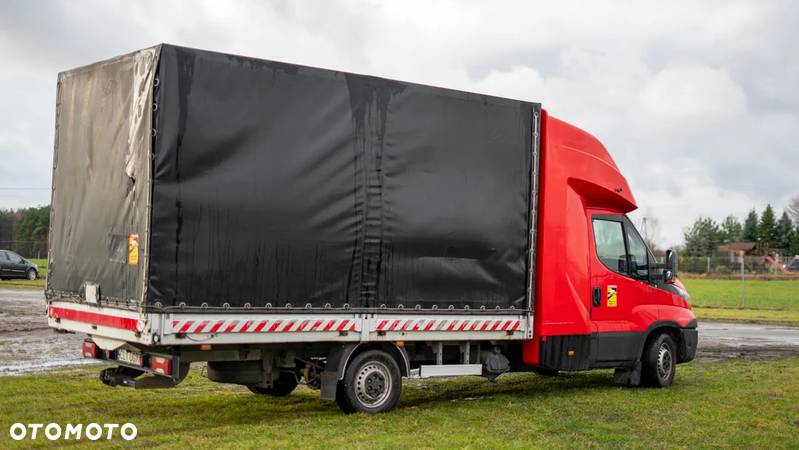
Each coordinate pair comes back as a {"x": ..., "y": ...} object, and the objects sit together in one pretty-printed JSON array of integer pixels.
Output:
[{"x": 27, "y": 344}]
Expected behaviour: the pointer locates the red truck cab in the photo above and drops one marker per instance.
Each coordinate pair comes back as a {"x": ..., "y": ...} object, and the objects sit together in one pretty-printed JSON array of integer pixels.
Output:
[{"x": 601, "y": 300}]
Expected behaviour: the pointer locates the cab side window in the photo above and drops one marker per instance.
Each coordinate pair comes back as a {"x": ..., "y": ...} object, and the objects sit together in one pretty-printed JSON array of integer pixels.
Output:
[
  {"x": 638, "y": 256},
  {"x": 610, "y": 248}
]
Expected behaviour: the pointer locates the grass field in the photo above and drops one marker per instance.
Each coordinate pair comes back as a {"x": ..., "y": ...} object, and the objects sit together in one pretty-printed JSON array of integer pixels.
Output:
[
  {"x": 733, "y": 403},
  {"x": 27, "y": 284},
  {"x": 765, "y": 316},
  {"x": 37, "y": 284},
  {"x": 760, "y": 294}
]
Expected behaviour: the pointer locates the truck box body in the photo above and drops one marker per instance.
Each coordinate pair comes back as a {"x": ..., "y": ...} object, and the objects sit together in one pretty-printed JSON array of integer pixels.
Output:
[
  {"x": 282, "y": 222},
  {"x": 254, "y": 183}
]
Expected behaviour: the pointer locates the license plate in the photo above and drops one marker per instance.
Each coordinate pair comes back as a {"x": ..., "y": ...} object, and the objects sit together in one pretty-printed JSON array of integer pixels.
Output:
[{"x": 129, "y": 357}]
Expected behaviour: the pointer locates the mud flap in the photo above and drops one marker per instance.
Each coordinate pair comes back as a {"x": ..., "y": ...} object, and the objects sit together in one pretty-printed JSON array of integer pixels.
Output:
[
  {"x": 334, "y": 369},
  {"x": 628, "y": 376}
]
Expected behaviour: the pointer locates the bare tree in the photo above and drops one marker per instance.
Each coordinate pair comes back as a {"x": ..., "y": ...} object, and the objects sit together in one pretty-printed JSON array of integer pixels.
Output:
[{"x": 649, "y": 227}]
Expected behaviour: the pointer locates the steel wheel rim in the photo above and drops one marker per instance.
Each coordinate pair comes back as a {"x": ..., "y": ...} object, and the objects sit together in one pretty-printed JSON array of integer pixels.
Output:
[
  {"x": 373, "y": 384},
  {"x": 665, "y": 362}
]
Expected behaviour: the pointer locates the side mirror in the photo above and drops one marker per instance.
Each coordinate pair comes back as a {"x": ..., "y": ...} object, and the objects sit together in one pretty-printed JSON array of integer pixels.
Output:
[{"x": 671, "y": 265}]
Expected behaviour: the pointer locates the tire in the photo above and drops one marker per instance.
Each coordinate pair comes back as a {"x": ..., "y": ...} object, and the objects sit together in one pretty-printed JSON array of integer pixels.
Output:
[
  {"x": 545, "y": 372},
  {"x": 659, "y": 362},
  {"x": 236, "y": 372},
  {"x": 32, "y": 275},
  {"x": 372, "y": 384},
  {"x": 283, "y": 386}
]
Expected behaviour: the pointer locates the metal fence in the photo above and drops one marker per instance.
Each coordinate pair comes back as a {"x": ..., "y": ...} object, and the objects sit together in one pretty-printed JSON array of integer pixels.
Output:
[{"x": 776, "y": 265}]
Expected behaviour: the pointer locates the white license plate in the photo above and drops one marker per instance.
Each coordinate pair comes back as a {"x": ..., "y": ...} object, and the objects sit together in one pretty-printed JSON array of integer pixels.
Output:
[{"x": 129, "y": 357}]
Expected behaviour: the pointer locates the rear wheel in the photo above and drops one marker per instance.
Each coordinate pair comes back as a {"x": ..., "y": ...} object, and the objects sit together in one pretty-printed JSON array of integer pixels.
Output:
[
  {"x": 545, "y": 372},
  {"x": 659, "y": 362},
  {"x": 281, "y": 387},
  {"x": 372, "y": 383}
]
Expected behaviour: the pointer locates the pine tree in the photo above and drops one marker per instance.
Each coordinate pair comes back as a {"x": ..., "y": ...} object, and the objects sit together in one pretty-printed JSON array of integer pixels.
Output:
[
  {"x": 793, "y": 210},
  {"x": 731, "y": 230},
  {"x": 784, "y": 232},
  {"x": 794, "y": 247},
  {"x": 703, "y": 237},
  {"x": 750, "y": 227},
  {"x": 766, "y": 227}
]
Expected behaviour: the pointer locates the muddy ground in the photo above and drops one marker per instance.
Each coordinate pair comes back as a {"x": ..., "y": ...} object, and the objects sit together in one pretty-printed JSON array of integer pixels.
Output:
[{"x": 27, "y": 344}]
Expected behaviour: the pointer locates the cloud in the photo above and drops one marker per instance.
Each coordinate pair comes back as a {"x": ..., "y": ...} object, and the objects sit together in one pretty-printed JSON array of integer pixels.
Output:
[
  {"x": 695, "y": 100},
  {"x": 693, "y": 97}
]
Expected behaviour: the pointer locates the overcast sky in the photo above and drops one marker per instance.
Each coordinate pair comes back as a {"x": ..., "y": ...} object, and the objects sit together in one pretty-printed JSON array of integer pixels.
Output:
[{"x": 698, "y": 102}]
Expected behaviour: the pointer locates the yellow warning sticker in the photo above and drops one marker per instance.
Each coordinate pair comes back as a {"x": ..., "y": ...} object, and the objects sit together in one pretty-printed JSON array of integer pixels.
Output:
[
  {"x": 133, "y": 249},
  {"x": 612, "y": 296}
]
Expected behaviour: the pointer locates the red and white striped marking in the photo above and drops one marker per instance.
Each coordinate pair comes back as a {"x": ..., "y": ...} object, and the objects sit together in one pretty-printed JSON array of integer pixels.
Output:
[
  {"x": 448, "y": 325},
  {"x": 306, "y": 325},
  {"x": 215, "y": 326}
]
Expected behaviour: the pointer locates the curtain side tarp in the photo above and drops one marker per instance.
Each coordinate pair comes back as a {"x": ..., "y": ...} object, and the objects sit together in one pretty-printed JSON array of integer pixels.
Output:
[{"x": 276, "y": 183}]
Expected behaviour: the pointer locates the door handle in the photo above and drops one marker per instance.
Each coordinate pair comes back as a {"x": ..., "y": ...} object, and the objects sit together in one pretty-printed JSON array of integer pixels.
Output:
[{"x": 596, "y": 297}]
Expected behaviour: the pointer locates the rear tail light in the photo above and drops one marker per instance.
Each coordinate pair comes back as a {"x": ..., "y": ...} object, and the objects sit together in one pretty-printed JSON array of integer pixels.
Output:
[
  {"x": 161, "y": 365},
  {"x": 89, "y": 350}
]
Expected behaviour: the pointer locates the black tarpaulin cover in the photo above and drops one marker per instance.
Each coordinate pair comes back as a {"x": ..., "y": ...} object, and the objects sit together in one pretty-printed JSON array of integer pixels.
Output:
[
  {"x": 277, "y": 183},
  {"x": 101, "y": 176}
]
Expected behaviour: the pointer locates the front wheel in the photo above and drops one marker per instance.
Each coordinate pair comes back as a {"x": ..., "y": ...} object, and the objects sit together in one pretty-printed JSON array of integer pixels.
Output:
[
  {"x": 372, "y": 384},
  {"x": 32, "y": 274},
  {"x": 659, "y": 362}
]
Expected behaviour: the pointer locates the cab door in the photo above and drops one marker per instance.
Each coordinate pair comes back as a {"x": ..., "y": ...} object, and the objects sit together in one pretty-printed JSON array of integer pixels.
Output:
[
  {"x": 621, "y": 277},
  {"x": 17, "y": 266},
  {"x": 611, "y": 286},
  {"x": 5, "y": 264}
]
